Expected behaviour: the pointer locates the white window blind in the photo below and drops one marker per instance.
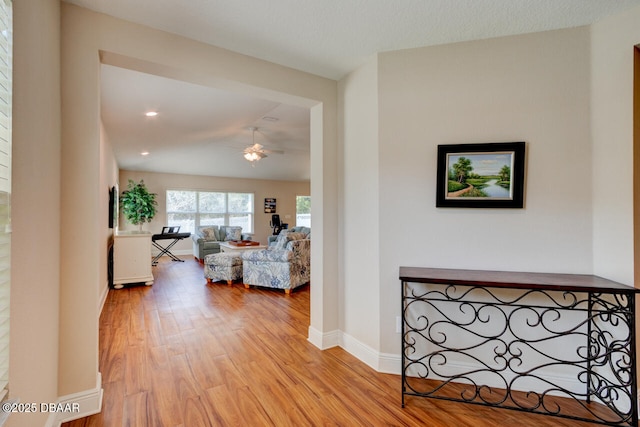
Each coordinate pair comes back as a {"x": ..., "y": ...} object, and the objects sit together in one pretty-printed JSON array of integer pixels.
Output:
[{"x": 6, "y": 61}]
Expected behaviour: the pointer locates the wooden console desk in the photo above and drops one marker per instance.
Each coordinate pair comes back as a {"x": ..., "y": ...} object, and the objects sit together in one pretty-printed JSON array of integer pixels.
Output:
[{"x": 554, "y": 344}]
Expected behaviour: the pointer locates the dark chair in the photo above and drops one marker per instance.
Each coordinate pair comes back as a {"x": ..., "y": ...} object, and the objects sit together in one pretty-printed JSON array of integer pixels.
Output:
[{"x": 276, "y": 224}]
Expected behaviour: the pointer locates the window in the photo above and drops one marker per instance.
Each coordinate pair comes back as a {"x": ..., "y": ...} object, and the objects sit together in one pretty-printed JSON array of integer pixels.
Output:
[
  {"x": 303, "y": 211},
  {"x": 190, "y": 209}
]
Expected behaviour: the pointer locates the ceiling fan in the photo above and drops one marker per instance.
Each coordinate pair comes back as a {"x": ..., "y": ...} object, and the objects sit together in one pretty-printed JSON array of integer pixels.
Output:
[{"x": 257, "y": 151}]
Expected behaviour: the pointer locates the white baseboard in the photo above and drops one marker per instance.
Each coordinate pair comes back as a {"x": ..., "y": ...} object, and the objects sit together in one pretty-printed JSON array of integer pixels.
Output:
[
  {"x": 103, "y": 298},
  {"x": 77, "y": 405},
  {"x": 360, "y": 350},
  {"x": 324, "y": 340},
  {"x": 381, "y": 362},
  {"x": 392, "y": 364}
]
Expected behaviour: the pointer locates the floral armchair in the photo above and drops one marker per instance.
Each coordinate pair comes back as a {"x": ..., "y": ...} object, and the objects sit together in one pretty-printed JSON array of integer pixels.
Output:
[
  {"x": 284, "y": 265},
  {"x": 207, "y": 238}
]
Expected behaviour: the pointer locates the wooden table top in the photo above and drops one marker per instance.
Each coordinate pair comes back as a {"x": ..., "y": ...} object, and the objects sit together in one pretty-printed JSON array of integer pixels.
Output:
[{"x": 514, "y": 280}]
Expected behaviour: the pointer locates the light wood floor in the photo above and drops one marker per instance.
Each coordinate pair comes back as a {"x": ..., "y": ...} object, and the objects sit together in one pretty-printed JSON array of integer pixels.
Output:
[{"x": 184, "y": 353}]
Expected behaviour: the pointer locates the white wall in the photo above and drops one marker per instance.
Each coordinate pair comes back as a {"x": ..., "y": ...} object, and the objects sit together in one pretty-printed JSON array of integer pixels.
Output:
[
  {"x": 360, "y": 228},
  {"x": 35, "y": 206},
  {"x": 567, "y": 94},
  {"x": 284, "y": 192},
  {"x": 612, "y": 50},
  {"x": 81, "y": 192},
  {"x": 37, "y": 296},
  {"x": 108, "y": 178},
  {"x": 532, "y": 88}
]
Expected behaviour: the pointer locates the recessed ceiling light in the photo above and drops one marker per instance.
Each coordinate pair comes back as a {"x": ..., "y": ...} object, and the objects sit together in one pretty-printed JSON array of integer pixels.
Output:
[
  {"x": 144, "y": 153},
  {"x": 151, "y": 114}
]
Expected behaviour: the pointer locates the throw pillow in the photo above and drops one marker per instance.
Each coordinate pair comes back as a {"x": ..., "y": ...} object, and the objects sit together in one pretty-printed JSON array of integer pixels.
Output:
[
  {"x": 209, "y": 233},
  {"x": 285, "y": 237},
  {"x": 281, "y": 240},
  {"x": 233, "y": 233}
]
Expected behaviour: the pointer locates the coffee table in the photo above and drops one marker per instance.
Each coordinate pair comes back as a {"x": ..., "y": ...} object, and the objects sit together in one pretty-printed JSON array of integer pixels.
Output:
[{"x": 228, "y": 247}]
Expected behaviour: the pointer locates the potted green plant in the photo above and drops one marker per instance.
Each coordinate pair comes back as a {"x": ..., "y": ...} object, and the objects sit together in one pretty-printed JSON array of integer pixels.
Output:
[{"x": 138, "y": 204}]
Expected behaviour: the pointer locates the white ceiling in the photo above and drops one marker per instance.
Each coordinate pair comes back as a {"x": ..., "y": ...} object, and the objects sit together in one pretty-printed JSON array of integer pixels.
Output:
[
  {"x": 325, "y": 37},
  {"x": 200, "y": 130}
]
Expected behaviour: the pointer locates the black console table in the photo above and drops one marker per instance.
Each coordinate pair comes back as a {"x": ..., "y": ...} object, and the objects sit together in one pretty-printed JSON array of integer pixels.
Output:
[{"x": 554, "y": 344}]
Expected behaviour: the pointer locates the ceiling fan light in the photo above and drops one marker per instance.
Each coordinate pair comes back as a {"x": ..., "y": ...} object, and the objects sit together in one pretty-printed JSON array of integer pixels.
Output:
[
  {"x": 251, "y": 156},
  {"x": 254, "y": 153}
]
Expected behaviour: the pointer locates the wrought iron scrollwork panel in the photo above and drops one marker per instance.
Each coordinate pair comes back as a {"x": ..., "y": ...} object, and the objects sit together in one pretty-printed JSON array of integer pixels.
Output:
[{"x": 567, "y": 354}]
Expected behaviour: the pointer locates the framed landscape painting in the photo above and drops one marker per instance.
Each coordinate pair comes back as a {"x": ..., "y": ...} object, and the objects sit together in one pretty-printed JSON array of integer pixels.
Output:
[{"x": 487, "y": 175}]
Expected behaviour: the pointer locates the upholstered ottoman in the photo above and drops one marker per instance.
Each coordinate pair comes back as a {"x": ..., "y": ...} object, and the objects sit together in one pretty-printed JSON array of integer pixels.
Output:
[{"x": 223, "y": 266}]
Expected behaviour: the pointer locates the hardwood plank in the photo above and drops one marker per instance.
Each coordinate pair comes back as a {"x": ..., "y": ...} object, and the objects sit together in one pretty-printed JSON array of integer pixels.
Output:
[
  {"x": 164, "y": 397},
  {"x": 136, "y": 370},
  {"x": 174, "y": 344},
  {"x": 275, "y": 397},
  {"x": 195, "y": 412},
  {"x": 228, "y": 373},
  {"x": 201, "y": 356},
  {"x": 224, "y": 410},
  {"x": 251, "y": 408},
  {"x": 137, "y": 332},
  {"x": 168, "y": 323},
  {"x": 113, "y": 355},
  {"x": 137, "y": 411},
  {"x": 153, "y": 328},
  {"x": 183, "y": 380},
  {"x": 186, "y": 353},
  {"x": 112, "y": 405},
  {"x": 182, "y": 316}
]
